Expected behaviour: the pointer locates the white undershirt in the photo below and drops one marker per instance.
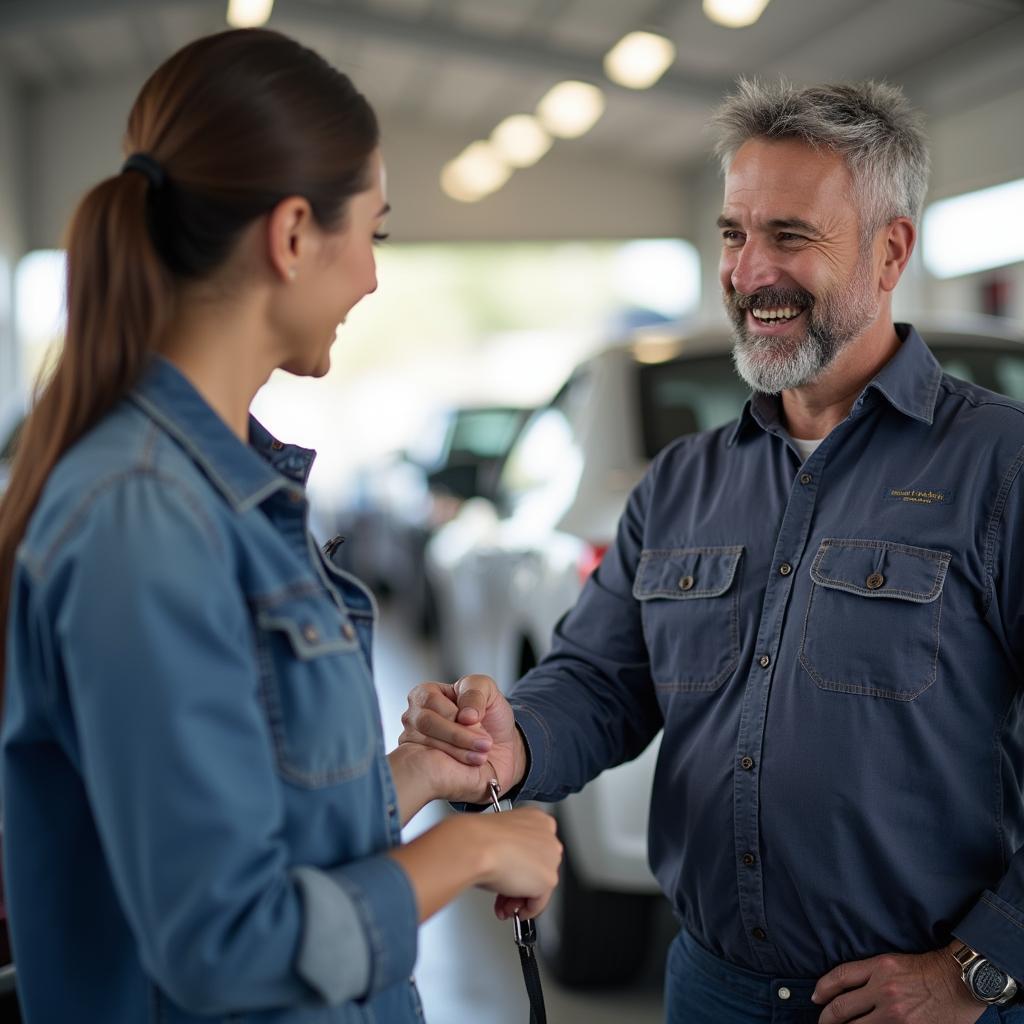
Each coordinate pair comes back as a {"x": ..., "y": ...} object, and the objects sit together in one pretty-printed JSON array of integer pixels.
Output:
[{"x": 806, "y": 448}]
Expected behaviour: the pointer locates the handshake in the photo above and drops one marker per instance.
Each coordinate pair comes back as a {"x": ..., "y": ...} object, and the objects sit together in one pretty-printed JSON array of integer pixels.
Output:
[{"x": 456, "y": 739}]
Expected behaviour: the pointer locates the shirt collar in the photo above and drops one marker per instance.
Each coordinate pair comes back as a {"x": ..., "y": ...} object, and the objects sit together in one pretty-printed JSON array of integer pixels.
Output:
[
  {"x": 909, "y": 382},
  {"x": 246, "y": 474}
]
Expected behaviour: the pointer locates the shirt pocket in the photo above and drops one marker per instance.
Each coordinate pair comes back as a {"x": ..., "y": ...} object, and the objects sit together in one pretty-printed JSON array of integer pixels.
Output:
[
  {"x": 872, "y": 622},
  {"x": 689, "y": 600},
  {"x": 316, "y": 689}
]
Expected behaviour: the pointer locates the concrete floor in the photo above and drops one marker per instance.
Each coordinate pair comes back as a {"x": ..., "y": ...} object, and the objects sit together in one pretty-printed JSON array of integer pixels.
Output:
[{"x": 468, "y": 968}]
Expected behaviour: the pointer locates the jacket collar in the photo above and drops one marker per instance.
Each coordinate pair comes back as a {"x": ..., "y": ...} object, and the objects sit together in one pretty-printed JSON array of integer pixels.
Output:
[{"x": 246, "y": 474}]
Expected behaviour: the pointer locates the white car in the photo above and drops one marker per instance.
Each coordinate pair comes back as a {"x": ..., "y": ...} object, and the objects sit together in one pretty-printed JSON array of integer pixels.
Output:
[{"x": 504, "y": 574}]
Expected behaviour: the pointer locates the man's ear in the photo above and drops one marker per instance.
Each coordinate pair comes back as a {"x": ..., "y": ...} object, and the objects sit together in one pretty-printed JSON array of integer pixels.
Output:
[
  {"x": 287, "y": 236},
  {"x": 900, "y": 236}
]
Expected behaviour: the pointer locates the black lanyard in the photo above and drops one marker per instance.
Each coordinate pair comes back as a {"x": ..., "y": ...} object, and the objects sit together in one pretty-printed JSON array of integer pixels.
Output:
[{"x": 526, "y": 943}]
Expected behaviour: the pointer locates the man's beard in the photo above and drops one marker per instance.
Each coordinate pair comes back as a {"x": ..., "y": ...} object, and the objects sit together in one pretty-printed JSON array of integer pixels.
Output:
[{"x": 770, "y": 363}]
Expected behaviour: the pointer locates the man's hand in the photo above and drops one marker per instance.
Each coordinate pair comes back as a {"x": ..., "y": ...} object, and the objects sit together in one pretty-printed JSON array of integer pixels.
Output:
[
  {"x": 471, "y": 722},
  {"x": 897, "y": 989}
]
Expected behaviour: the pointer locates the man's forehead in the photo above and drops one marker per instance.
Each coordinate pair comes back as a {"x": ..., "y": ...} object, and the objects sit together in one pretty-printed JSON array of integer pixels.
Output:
[
  {"x": 786, "y": 182},
  {"x": 785, "y": 167}
]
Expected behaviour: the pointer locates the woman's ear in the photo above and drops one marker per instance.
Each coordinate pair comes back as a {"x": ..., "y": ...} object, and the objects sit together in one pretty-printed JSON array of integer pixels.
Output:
[{"x": 287, "y": 237}]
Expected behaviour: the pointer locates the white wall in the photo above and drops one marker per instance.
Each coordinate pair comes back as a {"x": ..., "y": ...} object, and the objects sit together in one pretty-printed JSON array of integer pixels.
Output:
[
  {"x": 12, "y": 231},
  {"x": 76, "y": 140}
]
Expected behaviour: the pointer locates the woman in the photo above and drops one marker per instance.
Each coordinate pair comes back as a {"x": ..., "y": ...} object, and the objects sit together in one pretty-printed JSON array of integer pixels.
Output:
[{"x": 200, "y": 818}]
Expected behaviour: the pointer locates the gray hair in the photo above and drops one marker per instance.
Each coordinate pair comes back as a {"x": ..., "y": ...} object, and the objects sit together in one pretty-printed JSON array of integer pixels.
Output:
[{"x": 871, "y": 125}]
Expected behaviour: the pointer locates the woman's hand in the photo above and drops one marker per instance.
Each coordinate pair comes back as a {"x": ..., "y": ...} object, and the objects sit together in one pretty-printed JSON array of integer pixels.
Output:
[
  {"x": 514, "y": 854},
  {"x": 471, "y": 722},
  {"x": 422, "y": 774},
  {"x": 522, "y": 856}
]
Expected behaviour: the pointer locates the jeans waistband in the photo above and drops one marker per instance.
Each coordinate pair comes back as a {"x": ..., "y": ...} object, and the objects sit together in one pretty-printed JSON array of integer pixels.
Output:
[{"x": 760, "y": 988}]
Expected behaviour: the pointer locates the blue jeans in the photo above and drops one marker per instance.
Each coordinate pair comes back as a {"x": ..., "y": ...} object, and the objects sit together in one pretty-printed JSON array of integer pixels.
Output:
[{"x": 701, "y": 989}]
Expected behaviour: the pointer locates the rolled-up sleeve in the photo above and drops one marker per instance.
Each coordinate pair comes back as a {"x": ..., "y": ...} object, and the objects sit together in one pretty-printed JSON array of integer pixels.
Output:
[
  {"x": 362, "y": 916},
  {"x": 177, "y": 758}
]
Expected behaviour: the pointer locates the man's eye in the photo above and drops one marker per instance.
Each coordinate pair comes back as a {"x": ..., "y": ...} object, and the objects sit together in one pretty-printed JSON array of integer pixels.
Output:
[
  {"x": 788, "y": 236},
  {"x": 381, "y": 236},
  {"x": 732, "y": 237}
]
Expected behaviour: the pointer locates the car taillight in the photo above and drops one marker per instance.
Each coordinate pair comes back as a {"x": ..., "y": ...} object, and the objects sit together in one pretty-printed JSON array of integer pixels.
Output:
[{"x": 590, "y": 559}]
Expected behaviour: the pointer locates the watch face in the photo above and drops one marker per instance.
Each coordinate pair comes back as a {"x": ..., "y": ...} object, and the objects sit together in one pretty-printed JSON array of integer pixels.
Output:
[{"x": 988, "y": 981}]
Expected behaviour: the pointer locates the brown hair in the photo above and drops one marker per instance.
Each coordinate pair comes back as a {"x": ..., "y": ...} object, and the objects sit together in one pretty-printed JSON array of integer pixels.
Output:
[{"x": 235, "y": 122}]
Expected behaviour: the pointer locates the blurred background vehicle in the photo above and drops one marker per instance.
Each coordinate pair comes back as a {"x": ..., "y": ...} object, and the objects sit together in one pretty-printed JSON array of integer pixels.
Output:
[
  {"x": 506, "y": 569},
  {"x": 400, "y": 499}
]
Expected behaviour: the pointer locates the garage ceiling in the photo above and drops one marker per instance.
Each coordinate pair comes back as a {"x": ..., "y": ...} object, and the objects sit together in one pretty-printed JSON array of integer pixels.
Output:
[{"x": 464, "y": 65}]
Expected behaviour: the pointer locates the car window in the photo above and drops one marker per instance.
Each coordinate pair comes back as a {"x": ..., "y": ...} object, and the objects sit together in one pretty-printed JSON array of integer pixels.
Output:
[
  {"x": 995, "y": 369},
  {"x": 545, "y": 456},
  {"x": 682, "y": 396},
  {"x": 484, "y": 433}
]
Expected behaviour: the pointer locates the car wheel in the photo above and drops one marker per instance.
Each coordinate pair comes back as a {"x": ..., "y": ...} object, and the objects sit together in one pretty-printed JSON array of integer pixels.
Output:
[{"x": 593, "y": 938}]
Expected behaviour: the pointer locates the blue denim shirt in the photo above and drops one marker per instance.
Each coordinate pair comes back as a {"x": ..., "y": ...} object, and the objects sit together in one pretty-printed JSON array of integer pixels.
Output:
[
  {"x": 834, "y": 650},
  {"x": 196, "y": 796}
]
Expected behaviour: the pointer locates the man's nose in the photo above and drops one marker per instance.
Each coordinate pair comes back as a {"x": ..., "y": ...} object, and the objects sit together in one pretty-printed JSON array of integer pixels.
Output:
[{"x": 753, "y": 268}]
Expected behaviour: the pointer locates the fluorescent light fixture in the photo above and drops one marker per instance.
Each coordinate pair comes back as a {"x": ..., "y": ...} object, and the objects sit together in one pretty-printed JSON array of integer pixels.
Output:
[
  {"x": 734, "y": 13},
  {"x": 521, "y": 140},
  {"x": 571, "y": 109},
  {"x": 639, "y": 59},
  {"x": 476, "y": 172},
  {"x": 249, "y": 13},
  {"x": 973, "y": 232}
]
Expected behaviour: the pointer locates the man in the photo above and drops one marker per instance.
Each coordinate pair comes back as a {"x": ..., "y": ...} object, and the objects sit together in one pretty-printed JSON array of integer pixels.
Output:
[{"x": 819, "y": 605}]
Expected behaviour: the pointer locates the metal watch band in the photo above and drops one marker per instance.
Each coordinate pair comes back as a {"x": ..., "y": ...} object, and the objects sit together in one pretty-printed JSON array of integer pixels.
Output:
[{"x": 971, "y": 963}]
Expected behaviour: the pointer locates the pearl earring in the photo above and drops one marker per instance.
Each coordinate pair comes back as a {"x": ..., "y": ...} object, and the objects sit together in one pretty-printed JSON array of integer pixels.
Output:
[{"x": 291, "y": 273}]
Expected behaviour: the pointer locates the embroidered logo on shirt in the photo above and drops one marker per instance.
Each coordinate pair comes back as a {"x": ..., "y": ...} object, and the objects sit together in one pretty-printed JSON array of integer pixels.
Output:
[{"x": 919, "y": 496}]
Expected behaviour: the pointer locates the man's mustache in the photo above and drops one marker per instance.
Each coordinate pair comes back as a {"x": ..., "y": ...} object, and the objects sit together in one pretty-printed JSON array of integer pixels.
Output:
[{"x": 771, "y": 298}]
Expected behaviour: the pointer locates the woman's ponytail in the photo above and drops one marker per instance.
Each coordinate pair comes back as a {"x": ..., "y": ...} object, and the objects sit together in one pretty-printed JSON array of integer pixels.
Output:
[{"x": 119, "y": 301}]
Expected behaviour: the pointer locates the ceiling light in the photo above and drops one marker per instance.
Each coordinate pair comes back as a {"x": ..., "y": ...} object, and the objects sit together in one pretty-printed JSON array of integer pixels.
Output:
[
  {"x": 521, "y": 140},
  {"x": 570, "y": 109},
  {"x": 476, "y": 172},
  {"x": 734, "y": 13},
  {"x": 639, "y": 59},
  {"x": 249, "y": 13}
]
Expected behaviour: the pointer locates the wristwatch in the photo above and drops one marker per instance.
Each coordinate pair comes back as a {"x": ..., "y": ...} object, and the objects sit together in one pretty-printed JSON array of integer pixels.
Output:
[{"x": 986, "y": 982}]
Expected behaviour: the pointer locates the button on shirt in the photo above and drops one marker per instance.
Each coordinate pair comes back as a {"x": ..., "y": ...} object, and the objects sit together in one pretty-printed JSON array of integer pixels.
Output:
[
  {"x": 839, "y": 684},
  {"x": 197, "y": 803}
]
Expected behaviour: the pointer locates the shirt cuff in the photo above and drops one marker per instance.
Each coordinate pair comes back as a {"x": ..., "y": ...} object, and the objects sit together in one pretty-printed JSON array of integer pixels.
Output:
[
  {"x": 995, "y": 929},
  {"x": 360, "y": 928},
  {"x": 536, "y": 739}
]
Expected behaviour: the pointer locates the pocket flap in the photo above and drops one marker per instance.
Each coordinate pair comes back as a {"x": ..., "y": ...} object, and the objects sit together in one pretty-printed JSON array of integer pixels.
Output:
[
  {"x": 312, "y": 626},
  {"x": 686, "y": 573},
  {"x": 879, "y": 568}
]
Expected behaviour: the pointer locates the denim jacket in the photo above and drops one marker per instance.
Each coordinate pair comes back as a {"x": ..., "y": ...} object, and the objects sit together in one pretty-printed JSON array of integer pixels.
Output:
[
  {"x": 196, "y": 796},
  {"x": 835, "y": 649}
]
